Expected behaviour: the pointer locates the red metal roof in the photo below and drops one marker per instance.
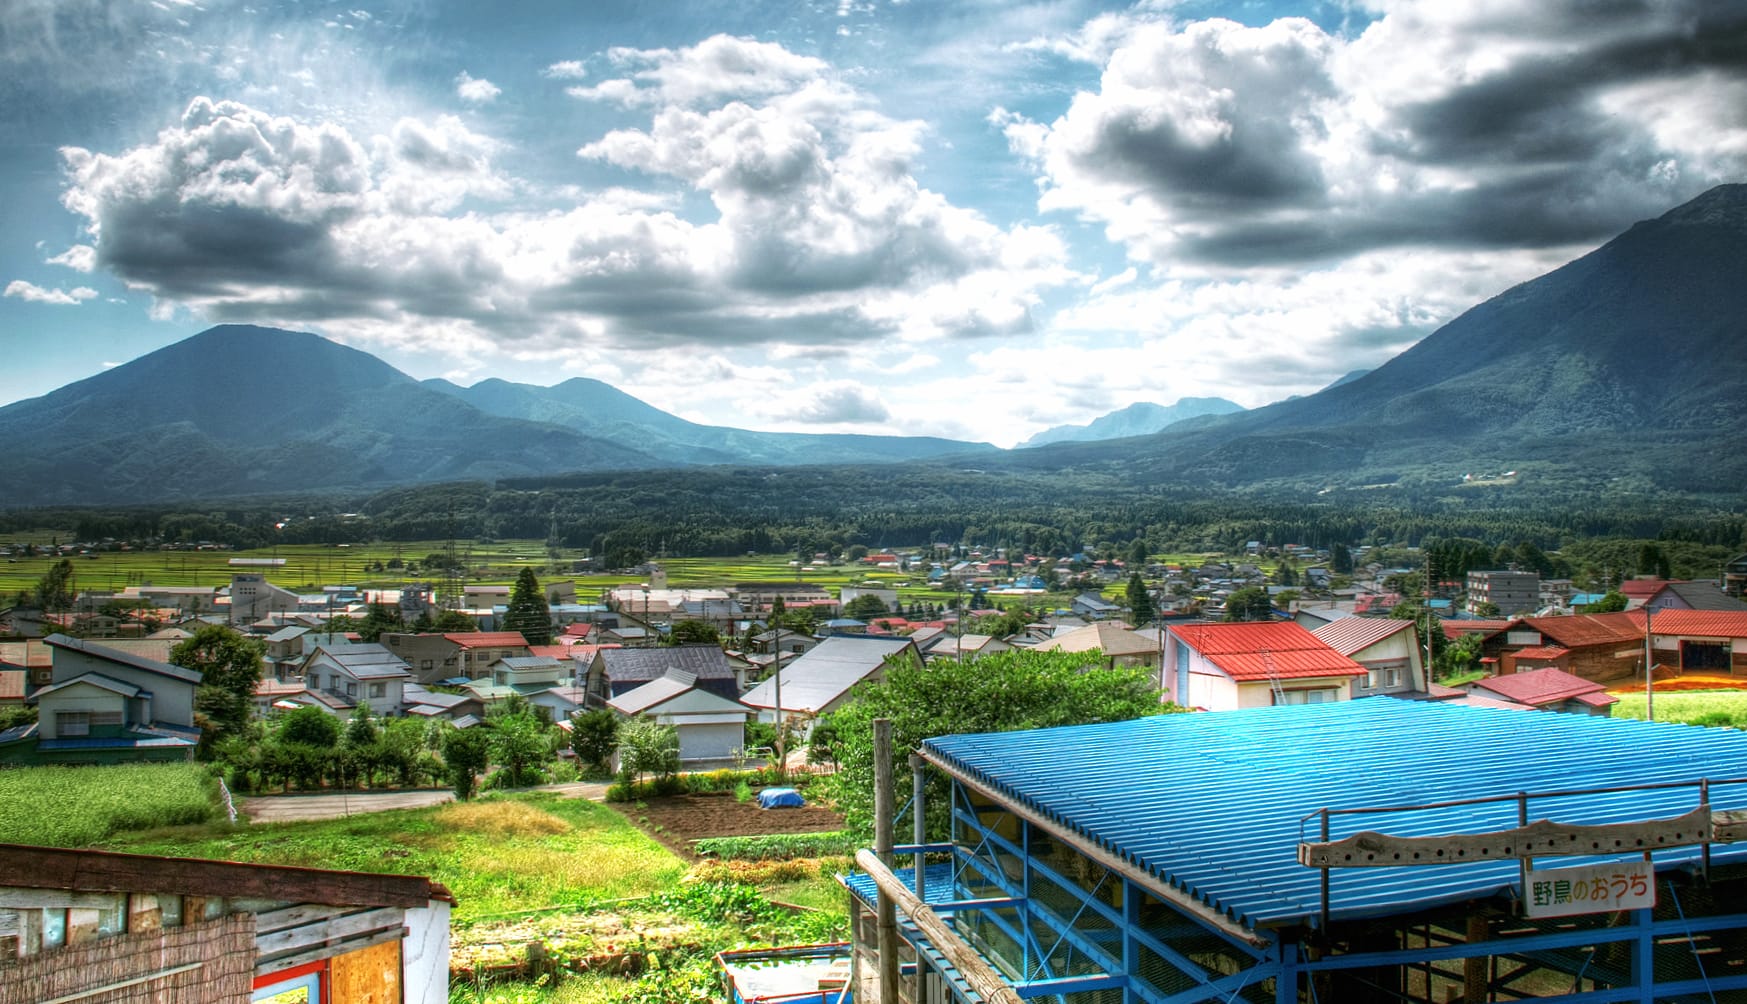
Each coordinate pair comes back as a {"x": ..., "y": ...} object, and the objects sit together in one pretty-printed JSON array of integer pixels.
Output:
[
  {"x": 1347, "y": 635},
  {"x": 1642, "y": 589},
  {"x": 1456, "y": 629},
  {"x": 1258, "y": 650},
  {"x": 1542, "y": 652},
  {"x": 488, "y": 639},
  {"x": 1692, "y": 623},
  {"x": 1579, "y": 630},
  {"x": 1539, "y": 687}
]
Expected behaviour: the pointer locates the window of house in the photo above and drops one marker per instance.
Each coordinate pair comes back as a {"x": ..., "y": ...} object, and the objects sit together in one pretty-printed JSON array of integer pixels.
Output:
[
  {"x": 426, "y": 663},
  {"x": 1369, "y": 681},
  {"x": 379, "y": 690},
  {"x": 72, "y": 723},
  {"x": 106, "y": 718},
  {"x": 1392, "y": 678},
  {"x": 351, "y": 689}
]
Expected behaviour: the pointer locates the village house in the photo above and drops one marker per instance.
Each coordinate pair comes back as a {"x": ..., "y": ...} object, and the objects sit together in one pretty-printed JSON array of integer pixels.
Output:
[
  {"x": 1388, "y": 649},
  {"x": 1119, "y": 645},
  {"x": 614, "y": 672},
  {"x": 354, "y": 674},
  {"x": 477, "y": 650},
  {"x": 816, "y": 684},
  {"x": 106, "y": 706},
  {"x": 1249, "y": 664},
  {"x": 711, "y": 728},
  {"x": 1547, "y": 689}
]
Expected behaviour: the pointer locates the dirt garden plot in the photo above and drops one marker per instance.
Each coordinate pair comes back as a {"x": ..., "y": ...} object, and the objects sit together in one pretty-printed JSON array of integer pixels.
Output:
[{"x": 678, "y": 820}]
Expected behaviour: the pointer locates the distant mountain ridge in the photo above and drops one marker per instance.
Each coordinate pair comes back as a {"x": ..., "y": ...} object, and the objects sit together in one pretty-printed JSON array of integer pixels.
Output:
[
  {"x": 241, "y": 410},
  {"x": 1628, "y": 365},
  {"x": 1137, "y": 419},
  {"x": 597, "y": 409}
]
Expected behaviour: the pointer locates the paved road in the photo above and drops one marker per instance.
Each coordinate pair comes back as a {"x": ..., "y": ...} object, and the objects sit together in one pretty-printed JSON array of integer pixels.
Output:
[{"x": 290, "y": 808}]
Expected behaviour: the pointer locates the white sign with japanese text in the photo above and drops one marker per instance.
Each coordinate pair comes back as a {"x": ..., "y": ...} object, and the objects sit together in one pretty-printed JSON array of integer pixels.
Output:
[{"x": 1563, "y": 892}]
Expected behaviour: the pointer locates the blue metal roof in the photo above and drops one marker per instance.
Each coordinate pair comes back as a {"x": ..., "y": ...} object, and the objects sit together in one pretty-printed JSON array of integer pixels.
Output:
[{"x": 1213, "y": 804}]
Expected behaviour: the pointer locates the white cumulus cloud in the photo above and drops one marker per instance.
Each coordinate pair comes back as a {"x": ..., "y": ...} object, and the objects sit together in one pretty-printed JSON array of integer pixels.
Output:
[
  {"x": 30, "y": 292},
  {"x": 475, "y": 90}
]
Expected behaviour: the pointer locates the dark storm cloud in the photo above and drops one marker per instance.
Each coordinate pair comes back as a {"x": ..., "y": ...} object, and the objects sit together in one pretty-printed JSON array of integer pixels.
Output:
[{"x": 1440, "y": 126}]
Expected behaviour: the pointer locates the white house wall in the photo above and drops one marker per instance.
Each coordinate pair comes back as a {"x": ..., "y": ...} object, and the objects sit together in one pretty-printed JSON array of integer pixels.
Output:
[
  {"x": 79, "y": 697},
  {"x": 710, "y": 742},
  {"x": 172, "y": 700},
  {"x": 424, "y": 955}
]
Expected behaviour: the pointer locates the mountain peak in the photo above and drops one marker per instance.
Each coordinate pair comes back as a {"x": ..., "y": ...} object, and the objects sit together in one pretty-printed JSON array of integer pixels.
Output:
[{"x": 1724, "y": 205}]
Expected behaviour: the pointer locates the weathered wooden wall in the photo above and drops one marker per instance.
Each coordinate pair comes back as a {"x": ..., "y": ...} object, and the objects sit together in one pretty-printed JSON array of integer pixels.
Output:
[{"x": 204, "y": 963}]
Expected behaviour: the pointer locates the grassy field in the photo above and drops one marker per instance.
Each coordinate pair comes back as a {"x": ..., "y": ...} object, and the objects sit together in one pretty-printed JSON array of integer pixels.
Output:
[
  {"x": 500, "y": 855},
  {"x": 79, "y": 806},
  {"x": 1724, "y": 707}
]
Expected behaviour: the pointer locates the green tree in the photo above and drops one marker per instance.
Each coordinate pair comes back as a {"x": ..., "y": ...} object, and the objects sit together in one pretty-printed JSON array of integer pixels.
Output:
[
  {"x": 1137, "y": 552},
  {"x": 1613, "y": 602},
  {"x": 453, "y": 622},
  {"x": 380, "y": 617},
  {"x": 822, "y": 744},
  {"x": 528, "y": 612},
  {"x": 1140, "y": 602},
  {"x": 465, "y": 753},
  {"x": 1249, "y": 604},
  {"x": 361, "y": 729},
  {"x": 1460, "y": 657},
  {"x": 522, "y": 745},
  {"x": 1018, "y": 689},
  {"x": 648, "y": 747},
  {"x": 865, "y": 607},
  {"x": 54, "y": 591},
  {"x": 230, "y": 669},
  {"x": 693, "y": 632},
  {"x": 1340, "y": 560},
  {"x": 309, "y": 726},
  {"x": 594, "y": 735}
]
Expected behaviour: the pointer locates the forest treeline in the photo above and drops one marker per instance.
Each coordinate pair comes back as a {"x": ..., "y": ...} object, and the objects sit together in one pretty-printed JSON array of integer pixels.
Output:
[{"x": 729, "y": 511}]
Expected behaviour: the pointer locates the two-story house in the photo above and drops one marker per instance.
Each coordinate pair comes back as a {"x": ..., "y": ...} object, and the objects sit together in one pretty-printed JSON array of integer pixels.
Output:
[{"x": 354, "y": 674}]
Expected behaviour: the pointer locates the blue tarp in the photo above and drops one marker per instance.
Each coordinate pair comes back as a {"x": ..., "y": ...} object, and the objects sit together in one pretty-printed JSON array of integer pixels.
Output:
[{"x": 776, "y": 798}]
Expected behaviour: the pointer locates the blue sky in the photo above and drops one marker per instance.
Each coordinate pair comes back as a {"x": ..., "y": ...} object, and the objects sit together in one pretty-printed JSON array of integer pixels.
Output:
[{"x": 965, "y": 219}]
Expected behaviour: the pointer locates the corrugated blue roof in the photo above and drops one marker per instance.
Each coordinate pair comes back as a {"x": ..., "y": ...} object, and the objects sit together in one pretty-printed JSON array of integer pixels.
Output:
[{"x": 1212, "y": 803}]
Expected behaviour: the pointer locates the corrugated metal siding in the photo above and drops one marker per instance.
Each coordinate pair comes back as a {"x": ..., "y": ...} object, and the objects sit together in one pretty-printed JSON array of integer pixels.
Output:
[{"x": 1212, "y": 803}]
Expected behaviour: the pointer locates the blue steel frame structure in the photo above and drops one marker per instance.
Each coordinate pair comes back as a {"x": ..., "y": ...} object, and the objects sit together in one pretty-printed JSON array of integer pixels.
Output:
[{"x": 1081, "y": 915}]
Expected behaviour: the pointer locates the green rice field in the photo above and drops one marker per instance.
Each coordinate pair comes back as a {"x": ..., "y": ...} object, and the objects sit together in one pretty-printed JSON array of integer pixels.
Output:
[{"x": 307, "y": 567}]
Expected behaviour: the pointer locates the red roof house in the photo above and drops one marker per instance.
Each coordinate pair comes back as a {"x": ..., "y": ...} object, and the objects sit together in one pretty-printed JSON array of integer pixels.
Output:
[
  {"x": 1548, "y": 689},
  {"x": 1248, "y": 664}
]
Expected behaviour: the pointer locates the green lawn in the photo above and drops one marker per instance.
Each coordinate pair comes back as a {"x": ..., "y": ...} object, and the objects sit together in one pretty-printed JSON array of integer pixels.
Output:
[
  {"x": 499, "y": 855},
  {"x": 79, "y": 806},
  {"x": 1690, "y": 706}
]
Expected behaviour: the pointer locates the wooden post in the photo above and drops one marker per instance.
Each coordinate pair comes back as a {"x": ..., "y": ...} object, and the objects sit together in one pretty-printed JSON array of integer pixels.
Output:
[
  {"x": 1474, "y": 981},
  {"x": 886, "y": 920},
  {"x": 976, "y": 970}
]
